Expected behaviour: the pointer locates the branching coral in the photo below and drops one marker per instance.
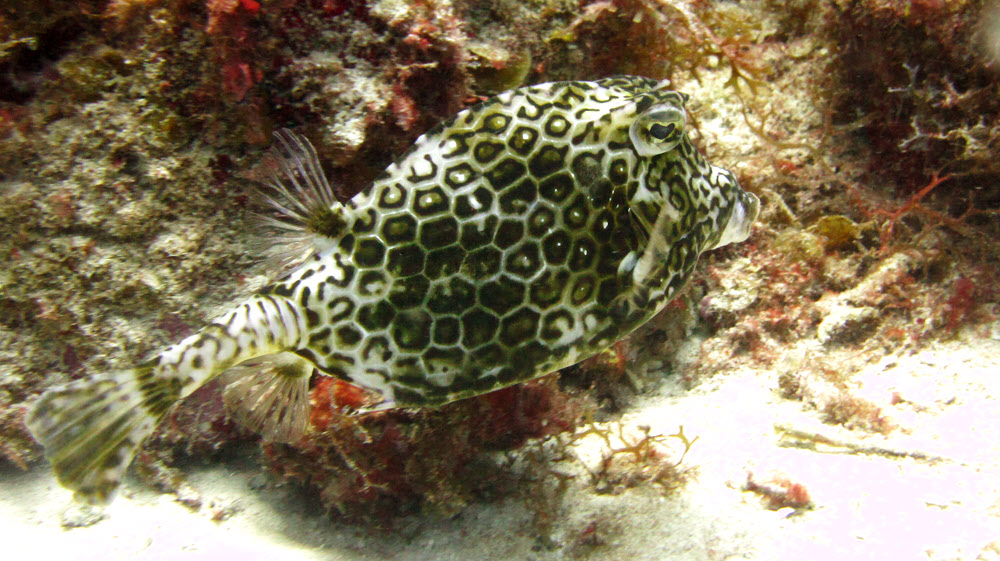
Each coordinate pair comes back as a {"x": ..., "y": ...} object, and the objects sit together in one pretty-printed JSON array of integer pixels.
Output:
[{"x": 628, "y": 460}]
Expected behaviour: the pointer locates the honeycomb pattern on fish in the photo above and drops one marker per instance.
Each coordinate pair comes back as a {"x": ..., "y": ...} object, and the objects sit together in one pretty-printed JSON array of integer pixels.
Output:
[
  {"x": 493, "y": 251},
  {"x": 524, "y": 235}
]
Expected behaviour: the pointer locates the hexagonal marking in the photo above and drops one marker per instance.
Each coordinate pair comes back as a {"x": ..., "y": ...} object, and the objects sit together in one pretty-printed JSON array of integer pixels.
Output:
[
  {"x": 505, "y": 173},
  {"x": 603, "y": 225},
  {"x": 556, "y": 247},
  {"x": 519, "y": 327},
  {"x": 482, "y": 263},
  {"x": 454, "y": 297},
  {"x": 437, "y": 360},
  {"x": 501, "y": 295},
  {"x": 399, "y": 229},
  {"x": 428, "y": 202},
  {"x": 556, "y": 125},
  {"x": 376, "y": 316},
  {"x": 547, "y": 290},
  {"x": 487, "y": 150},
  {"x": 369, "y": 252},
  {"x": 444, "y": 262},
  {"x": 523, "y": 140},
  {"x": 411, "y": 330},
  {"x": 548, "y": 160},
  {"x": 618, "y": 172},
  {"x": 476, "y": 235},
  {"x": 478, "y": 328},
  {"x": 582, "y": 255},
  {"x": 541, "y": 220},
  {"x": 376, "y": 349},
  {"x": 460, "y": 175},
  {"x": 495, "y": 123},
  {"x": 576, "y": 214},
  {"x": 587, "y": 168},
  {"x": 477, "y": 202},
  {"x": 582, "y": 290},
  {"x": 347, "y": 337},
  {"x": 405, "y": 260},
  {"x": 509, "y": 233},
  {"x": 439, "y": 232},
  {"x": 447, "y": 331},
  {"x": 518, "y": 199},
  {"x": 525, "y": 262},
  {"x": 409, "y": 292},
  {"x": 600, "y": 193},
  {"x": 372, "y": 282},
  {"x": 557, "y": 187},
  {"x": 555, "y": 324},
  {"x": 457, "y": 144},
  {"x": 392, "y": 196}
]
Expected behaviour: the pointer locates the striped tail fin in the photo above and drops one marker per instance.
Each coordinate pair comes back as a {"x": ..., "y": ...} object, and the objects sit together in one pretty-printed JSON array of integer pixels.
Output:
[{"x": 91, "y": 429}]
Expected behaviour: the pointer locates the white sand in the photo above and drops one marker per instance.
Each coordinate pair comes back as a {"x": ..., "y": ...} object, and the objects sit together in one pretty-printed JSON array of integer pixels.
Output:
[{"x": 867, "y": 505}]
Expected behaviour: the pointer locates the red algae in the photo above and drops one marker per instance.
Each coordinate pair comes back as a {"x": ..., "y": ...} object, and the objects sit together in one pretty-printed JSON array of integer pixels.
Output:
[
  {"x": 373, "y": 466},
  {"x": 778, "y": 492},
  {"x": 123, "y": 211}
]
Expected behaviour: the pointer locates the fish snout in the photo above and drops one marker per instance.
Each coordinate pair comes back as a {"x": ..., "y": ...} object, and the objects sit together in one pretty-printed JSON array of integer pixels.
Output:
[{"x": 746, "y": 207}]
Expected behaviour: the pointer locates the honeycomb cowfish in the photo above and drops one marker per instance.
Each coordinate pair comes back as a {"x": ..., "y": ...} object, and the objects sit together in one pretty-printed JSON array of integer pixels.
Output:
[{"x": 525, "y": 234}]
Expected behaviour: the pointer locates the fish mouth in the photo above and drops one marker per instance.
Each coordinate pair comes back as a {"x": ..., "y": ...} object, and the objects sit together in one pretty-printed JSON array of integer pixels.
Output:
[
  {"x": 746, "y": 208},
  {"x": 752, "y": 203}
]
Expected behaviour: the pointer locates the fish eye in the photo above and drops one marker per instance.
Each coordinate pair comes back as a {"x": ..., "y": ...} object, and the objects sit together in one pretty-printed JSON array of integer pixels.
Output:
[
  {"x": 661, "y": 132},
  {"x": 658, "y": 129}
]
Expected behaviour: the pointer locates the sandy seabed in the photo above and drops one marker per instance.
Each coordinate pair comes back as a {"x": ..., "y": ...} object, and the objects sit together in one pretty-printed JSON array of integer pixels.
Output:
[{"x": 928, "y": 490}]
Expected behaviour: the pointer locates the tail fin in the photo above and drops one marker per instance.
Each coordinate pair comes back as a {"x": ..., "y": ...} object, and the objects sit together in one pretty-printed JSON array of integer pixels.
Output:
[{"x": 91, "y": 429}]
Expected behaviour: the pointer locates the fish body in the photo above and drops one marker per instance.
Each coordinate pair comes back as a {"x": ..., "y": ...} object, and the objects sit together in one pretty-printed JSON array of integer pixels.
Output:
[{"x": 525, "y": 234}]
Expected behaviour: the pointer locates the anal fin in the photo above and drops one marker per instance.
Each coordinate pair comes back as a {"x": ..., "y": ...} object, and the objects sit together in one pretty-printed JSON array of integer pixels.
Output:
[{"x": 270, "y": 395}]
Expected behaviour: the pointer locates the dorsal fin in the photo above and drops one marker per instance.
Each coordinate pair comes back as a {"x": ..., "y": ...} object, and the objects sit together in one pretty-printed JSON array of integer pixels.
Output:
[{"x": 305, "y": 214}]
